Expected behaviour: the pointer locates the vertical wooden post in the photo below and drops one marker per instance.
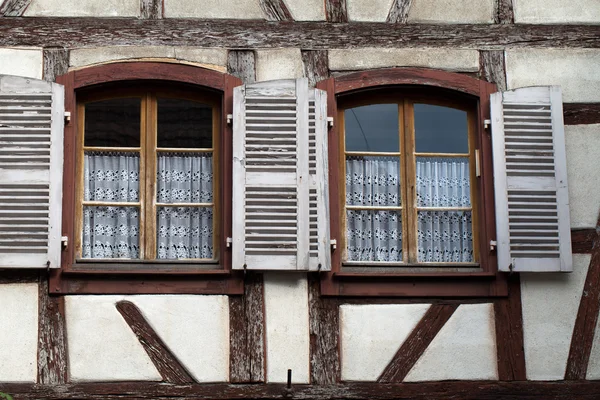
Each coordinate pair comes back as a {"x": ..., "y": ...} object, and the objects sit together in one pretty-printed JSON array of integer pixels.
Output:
[
  {"x": 242, "y": 64},
  {"x": 56, "y": 62},
  {"x": 316, "y": 65}
]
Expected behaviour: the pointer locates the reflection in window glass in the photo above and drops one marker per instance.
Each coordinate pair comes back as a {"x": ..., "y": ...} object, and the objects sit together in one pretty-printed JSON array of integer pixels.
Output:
[
  {"x": 440, "y": 129},
  {"x": 372, "y": 128},
  {"x": 113, "y": 123},
  {"x": 184, "y": 124}
]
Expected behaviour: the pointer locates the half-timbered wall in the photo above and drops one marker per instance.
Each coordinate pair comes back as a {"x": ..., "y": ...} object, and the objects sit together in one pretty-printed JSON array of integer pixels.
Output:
[{"x": 546, "y": 329}]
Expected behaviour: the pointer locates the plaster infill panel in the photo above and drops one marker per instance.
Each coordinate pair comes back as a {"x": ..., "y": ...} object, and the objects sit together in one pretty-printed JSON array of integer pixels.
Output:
[
  {"x": 452, "y": 11},
  {"x": 557, "y": 11},
  {"x": 18, "y": 332},
  {"x": 368, "y": 11},
  {"x": 83, "y": 8},
  {"x": 550, "y": 304},
  {"x": 279, "y": 64},
  {"x": 371, "y": 335},
  {"x": 575, "y": 70},
  {"x": 207, "y": 9},
  {"x": 27, "y": 62},
  {"x": 465, "y": 348},
  {"x": 306, "y": 10}
]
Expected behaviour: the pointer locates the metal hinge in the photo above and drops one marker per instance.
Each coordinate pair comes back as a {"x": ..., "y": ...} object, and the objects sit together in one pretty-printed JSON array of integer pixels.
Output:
[
  {"x": 493, "y": 245},
  {"x": 228, "y": 242},
  {"x": 333, "y": 243},
  {"x": 330, "y": 122},
  {"x": 64, "y": 240},
  {"x": 67, "y": 116},
  {"x": 229, "y": 119},
  {"x": 487, "y": 123}
]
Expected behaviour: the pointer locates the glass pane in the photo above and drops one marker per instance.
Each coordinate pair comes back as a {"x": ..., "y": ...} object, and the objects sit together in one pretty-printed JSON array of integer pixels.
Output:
[
  {"x": 185, "y": 178},
  {"x": 440, "y": 129},
  {"x": 111, "y": 176},
  {"x": 184, "y": 124},
  {"x": 374, "y": 235},
  {"x": 445, "y": 236},
  {"x": 110, "y": 232},
  {"x": 373, "y": 181},
  {"x": 443, "y": 182},
  {"x": 113, "y": 123},
  {"x": 372, "y": 128},
  {"x": 184, "y": 232}
]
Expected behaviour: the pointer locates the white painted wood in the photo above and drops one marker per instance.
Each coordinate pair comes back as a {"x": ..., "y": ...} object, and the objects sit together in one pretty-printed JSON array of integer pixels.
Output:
[
  {"x": 239, "y": 178},
  {"x": 56, "y": 175},
  {"x": 302, "y": 178}
]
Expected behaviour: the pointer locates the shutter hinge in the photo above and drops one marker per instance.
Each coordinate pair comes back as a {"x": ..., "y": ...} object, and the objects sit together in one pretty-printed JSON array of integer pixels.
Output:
[
  {"x": 330, "y": 122},
  {"x": 487, "y": 123},
  {"x": 229, "y": 119},
  {"x": 228, "y": 242},
  {"x": 493, "y": 245},
  {"x": 333, "y": 243},
  {"x": 67, "y": 116},
  {"x": 64, "y": 240}
]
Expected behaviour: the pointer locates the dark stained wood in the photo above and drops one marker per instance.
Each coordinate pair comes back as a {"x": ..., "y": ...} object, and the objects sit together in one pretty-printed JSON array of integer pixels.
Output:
[
  {"x": 415, "y": 344},
  {"x": 19, "y": 276},
  {"x": 587, "y": 316},
  {"x": 581, "y": 113},
  {"x": 151, "y": 9},
  {"x": 399, "y": 11},
  {"x": 242, "y": 64},
  {"x": 492, "y": 68},
  {"x": 324, "y": 321},
  {"x": 164, "y": 360},
  {"x": 276, "y": 10},
  {"x": 56, "y": 62},
  {"x": 13, "y": 8},
  {"x": 582, "y": 240},
  {"x": 316, "y": 65},
  {"x": 509, "y": 333},
  {"x": 504, "y": 12},
  {"x": 336, "y": 11}
]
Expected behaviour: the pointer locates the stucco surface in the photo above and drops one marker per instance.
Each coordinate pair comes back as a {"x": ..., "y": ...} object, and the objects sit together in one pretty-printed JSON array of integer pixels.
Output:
[
  {"x": 278, "y": 64},
  {"x": 575, "y": 70},
  {"x": 465, "y": 348},
  {"x": 371, "y": 334},
  {"x": 451, "y": 11},
  {"x": 583, "y": 146},
  {"x": 18, "y": 332},
  {"x": 550, "y": 303},
  {"x": 240, "y": 9},
  {"x": 83, "y": 8},
  {"x": 306, "y": 10},
  {"x": 371, "y": 11},
  {"x": 22, "y": 62},
  {"x": 287, "y": 336},
  {"x": 356, "y": 59},
  {"x": 557, "y": 11}
]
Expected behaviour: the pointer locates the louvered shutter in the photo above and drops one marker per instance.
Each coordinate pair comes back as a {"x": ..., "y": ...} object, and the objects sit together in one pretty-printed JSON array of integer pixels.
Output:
[
  {"x": 280, "y": 198},
  {"x": 530, "y": 174},
  {"x": 31, "y": 158}
]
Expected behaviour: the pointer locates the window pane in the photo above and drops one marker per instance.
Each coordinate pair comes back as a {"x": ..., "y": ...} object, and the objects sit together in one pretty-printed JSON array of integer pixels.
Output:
[
  {"x": 111, "y": 176},
  {"x": 184, "y": 124},
  {"x": 110, "y": 232},
  {"x": 113, "y": 123},
  {"x": 185, "y": 178},
  {"x": 372, "y": 128},
  {"x": 373, "y": 181},
  {"x": 184, "y": 232},
  {"x": 440, "y": 129},
  {"x": 374, "y": 235},
  {"x": 443, "y": 182},
  {"x": 445, "y": 236}
]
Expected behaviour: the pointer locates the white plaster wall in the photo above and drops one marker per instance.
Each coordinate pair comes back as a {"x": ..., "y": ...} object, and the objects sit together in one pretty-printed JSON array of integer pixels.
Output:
[
  {"x": 370, "y": 11},
  {"x": 278, "y": 64},
  {"x": 583, "y": 173},
  {"x": 287, "y": 330},
  {"x": 18, "y": 332},
  {"x": 593, "y": 371},
  {"x": 306, "y": 10},
  {"x": 557, "y": 11},
  {"x": 239, "y": 9},
  {"x": 550, "y": 304},
  {"x": 371, "y": 334},
  {"x": 575, "y": 70},
  {"x": 357, "y": 59},
  {"x": 452, "y": 11},
  {"x": 465, "y": 348},
  {"x": 79, "y": 8},
  {"x": 28, "y": 62}
]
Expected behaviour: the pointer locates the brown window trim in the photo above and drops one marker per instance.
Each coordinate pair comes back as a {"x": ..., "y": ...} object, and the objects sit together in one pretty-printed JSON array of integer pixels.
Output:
[
  {"x": 152, "y": 277},
  {"x": 487, "y": 282}
]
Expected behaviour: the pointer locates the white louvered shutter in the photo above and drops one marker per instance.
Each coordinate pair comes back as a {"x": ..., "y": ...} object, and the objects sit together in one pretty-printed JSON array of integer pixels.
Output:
[
  {"x": 280, "y": 191},
  {"x": 530, "y": 176},
  {"x": 31, "y": 159}
]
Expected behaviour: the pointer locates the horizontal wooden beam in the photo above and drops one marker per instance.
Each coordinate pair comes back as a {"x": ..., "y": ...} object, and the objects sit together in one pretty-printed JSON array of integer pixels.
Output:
[
  {"x": 581, "y": 113},
  {"x": 250, "y": 34}
]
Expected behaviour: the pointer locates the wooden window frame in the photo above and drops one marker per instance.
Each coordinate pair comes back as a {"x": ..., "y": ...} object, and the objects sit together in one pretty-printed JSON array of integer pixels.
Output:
[
  {"x": 487, "y": 281},
  {"x": 135, "y": 277}
]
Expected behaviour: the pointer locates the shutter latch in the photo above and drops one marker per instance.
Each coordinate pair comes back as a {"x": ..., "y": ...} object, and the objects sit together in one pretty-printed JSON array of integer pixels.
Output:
[
  {"x": 228, "y": 242},
  {"x": 330, "y": 122},
  {"x": 493, "y": 245},
  {"x": 487, "y": 123},
  {"x": 64, "y": 240},
  {"x": 333, "y": 243},
  {"x": 67, "y": 116},
  {"x": 229, "y": 119}
]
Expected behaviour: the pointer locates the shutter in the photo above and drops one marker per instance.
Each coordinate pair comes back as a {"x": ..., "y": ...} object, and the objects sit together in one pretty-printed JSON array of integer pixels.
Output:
[
  {"x": 31, "y": 158},
  {"x": 280, "y": 201},
  {"x": 530, "y": 176}
]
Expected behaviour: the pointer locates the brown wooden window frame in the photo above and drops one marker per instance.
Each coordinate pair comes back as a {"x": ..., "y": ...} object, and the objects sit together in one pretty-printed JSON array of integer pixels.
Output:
[
  {"x": 364, "y": 87},
  {"x": 147, "y": 276}
]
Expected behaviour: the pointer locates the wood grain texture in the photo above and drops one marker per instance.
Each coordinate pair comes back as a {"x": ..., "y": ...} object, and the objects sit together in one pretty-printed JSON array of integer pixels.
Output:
[
  {"x": 13, "y": 8},
  {"x": 509, "y": 333},
  {"x": 316, "y": 65},
  {"x": 415, "y": 344},
  {"x": 151, "y": 9},
  {"x": 276, "y": 10},
  {"x": 587, "y": 316},
  {"x": 504, "y": 12},
  {"x": 399, "y": 12},
  {"x": 581, "y": 113},
  {"x": 492, "y": 67},
  {"x": 242, "y": 64},
  {"x": 56, "y": 62},
  {"x": 164, "y": 360},
  {"x": 336, "y": 11},
  {"x": 582, "y": 240}
]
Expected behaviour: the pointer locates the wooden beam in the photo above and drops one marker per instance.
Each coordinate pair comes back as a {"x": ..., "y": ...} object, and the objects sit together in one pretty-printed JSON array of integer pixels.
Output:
[
  {"x": 164, "y": 360},
  {"x": 13, "y": 8},
  {"x": 151, "y": 9},
  {"x": 251, "y": 34},
  {"x": 582, "y": 240},
  {"x": 316, "y": 65},
  {"x": 492, "y": 68},
  {"x": 415, "y": 344},
  {"x": 504, "y": 12},
  {"x": 581, "y": 113},
  {"x": 399, "y": 11},
  {"x": 242, "y": 64},
  {"x": 19, "y": 276},
  {"x": 276, "y": 10},
  {"x": 336, "y": 11},
  {"x": 56, "y": 62}
]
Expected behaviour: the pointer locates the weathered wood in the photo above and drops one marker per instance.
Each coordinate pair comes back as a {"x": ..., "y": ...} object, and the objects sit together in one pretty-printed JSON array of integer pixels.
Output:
[
  {"x": 415, "y": 344},
  {"x": 581, "y": 113},
  {"x": 336, "y": 10},
  {"x": 56, "y": 62},
  {"x": 504, "y": 12},
  {"x": 249, "y": 34},
  {"x": 19, "y": 276},
  {"x": 242, "y": 64},
  {"x": 399, "y": 12},
  {"x": 276, "y": 10},
  {"x": 164, "y": 360},
  {"x": 582, "y": 240},
  {"x": 587, "y": 316},
  {"x": 151, "y": 9},
  {"x": 13, "y": 8},
  {"x": 492, "y": 68},
  {"x": 324, "y": 335},
  {"x": 509, "y": 333},
  {"x": 316, "y": 65},
  {"x": 247, "y": 338}
]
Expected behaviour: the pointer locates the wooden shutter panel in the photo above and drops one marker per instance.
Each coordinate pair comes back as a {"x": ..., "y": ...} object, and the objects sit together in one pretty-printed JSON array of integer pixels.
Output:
[
  {"x": 31, "y": 159},
  {"x": 530, "y": 175},
  {"x": 280, "y": 217}
]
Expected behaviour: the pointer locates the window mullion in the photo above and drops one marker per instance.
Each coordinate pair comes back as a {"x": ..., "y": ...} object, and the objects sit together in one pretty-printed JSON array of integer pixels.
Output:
[
  {"x": 149, "y": 173},
  {"x": 409, "y": 180}
]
